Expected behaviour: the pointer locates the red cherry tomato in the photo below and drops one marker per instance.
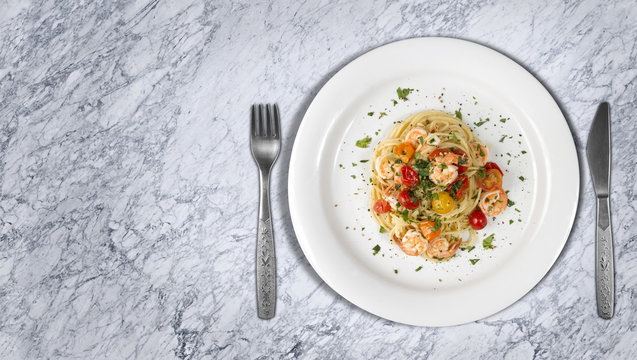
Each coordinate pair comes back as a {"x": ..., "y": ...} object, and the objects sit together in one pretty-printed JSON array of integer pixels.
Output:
[
  {"x": 492, "y": 165},
  {"x": 437, "y": 152},
  {"x": 477, "y": 219},
  {"x": 459, "y": 193},
  {"x": 381, "y": 206},
  {"x": 462, "y": 154},
  {"x": 409, "y": 176},
  {"x": 408, "y": 200},
  {"x": 492, "y": 180}
]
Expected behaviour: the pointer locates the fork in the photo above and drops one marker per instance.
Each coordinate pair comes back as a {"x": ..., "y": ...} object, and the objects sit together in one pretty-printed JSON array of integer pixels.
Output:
[{"x": 265, "y": 143}]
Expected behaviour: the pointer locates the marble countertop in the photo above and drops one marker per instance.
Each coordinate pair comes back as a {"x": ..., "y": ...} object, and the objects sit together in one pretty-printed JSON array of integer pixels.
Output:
[{"x": 128, "y": 197}]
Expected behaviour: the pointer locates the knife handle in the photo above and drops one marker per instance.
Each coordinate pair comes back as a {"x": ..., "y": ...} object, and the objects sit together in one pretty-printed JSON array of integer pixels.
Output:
[{"x": 604, "y": 267}]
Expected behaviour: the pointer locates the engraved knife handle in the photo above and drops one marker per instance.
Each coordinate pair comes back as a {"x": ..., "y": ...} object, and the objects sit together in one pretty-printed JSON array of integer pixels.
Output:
[
  {"x": 604, "y": 266},
  {"x": 265, "y": 260}
]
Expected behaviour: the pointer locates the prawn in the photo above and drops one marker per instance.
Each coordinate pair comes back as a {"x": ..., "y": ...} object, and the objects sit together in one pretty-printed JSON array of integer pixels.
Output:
[
  {"x": 441, "y": 249},
  {"x": 416, "y": 136},
  {"x": 413, "y": 243},
  {"x": 493, "y": 202}
]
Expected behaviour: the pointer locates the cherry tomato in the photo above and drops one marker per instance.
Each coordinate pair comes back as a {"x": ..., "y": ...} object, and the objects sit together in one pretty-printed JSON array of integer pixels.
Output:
[
  {"x": 492, "y": 180},
  {"x": 408, "y": 200},
  {"x": 460, "y": 189},
  {"x": 463, "y": 155},
  {"x": 404, "y": 152},
  {"x": 409, "y": 176},
  {"x": 427, "y": 229},
  {"x": 477, "y": 219},
  {"x": 381, "y": 206},
  {"x": 437, "y": 152},
  {"x": 492, "y": 165},
  {"x": 442, "y": 202}
]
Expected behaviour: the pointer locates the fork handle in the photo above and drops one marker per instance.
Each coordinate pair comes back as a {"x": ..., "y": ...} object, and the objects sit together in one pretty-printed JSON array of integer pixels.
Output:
[{"x": 266, "y": 261}]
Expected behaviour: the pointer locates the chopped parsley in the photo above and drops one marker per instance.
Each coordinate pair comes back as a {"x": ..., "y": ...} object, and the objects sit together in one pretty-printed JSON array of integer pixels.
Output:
[
  {"x": 474, "y": 261},
  {"x": 354, "y": 164},
  {"x": 371, "y": 113},
  {"x": 462, "y": 160},
  {"x": 353, "y": 176},
  {"x": 421, "y": 140},
  {"x": 521, "y": 178},
  {"x": 482, "y": 172},
  {"x": 418, "y": 268},
  {"x": 510, "y": 203},
  {"x": 382, "y": 114},
  {"x": 503, "y": 120},
  {"x": 395, "y": 271},
  {"x": 435, "y": 196},
  {"x": 454, "y": 137},
  {"x": 458, "y": 114},
  {"x": 437, "y": 225},
  {"x": 382, "y": 230},
  {"x": 395, "y": 102},
  {"x": 516, "y": 209},
  {"x": 487, "y": 242},
  {"x": 454, "y": 189},
  {"x": 481, "y": 122},
  {"x": 523, "y": 152},
  {"x": 470, "y": 248},
  {"x": 364, "y": 161},
  {"x": 364, "y": 142},
  {"x": 376, "y": 249},
  {"x": 402, "y": 93},
  {"x": 510, "y": 222},
  {"x": 405, "y": 215},
  {"x": 502, "y": 138}
]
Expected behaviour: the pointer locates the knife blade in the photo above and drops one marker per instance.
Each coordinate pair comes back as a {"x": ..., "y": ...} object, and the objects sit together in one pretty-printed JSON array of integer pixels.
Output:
[{"x": 598, "y": 153}]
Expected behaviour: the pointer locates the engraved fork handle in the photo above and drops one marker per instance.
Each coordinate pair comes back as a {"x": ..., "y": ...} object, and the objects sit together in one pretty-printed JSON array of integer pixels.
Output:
[
  {"x": 604, "y": 267},
  {"x": 266, "y": 261}
]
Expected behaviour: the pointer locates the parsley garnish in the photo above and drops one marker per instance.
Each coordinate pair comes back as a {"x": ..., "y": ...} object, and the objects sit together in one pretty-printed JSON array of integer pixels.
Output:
[
  {"x": 470, "y": 248},
  {"x": 523, "y": 152},
  {"x": 421, "y": 140},
  {"x": 371, "y": 113},
  {"x": 502, "y": 138},
  {"x": 354, "y": 164},
  {"x": 521, "y": 178},
  {"x": 458, "y": 114},
  {"x": 462, "y": 160},
  {"x": 395, "y": 102},
  {"x": 454, "y": 189},
  {"x": 382, "y": 230},
  {"x": 376, "y": 249},
  {"x": 503, "y": 120},
  {"x": 474, "y": 261},
  {"x": 364, "y": 161},
  {"x": 510, "y": 222},
  {"x": 353, "y": 176},
  {"x": 487, "y": 242},
  {"x": 481, "y": 122},
  {"x": 418, "y": 268},
  {"x": 482, "y": 172},
  {"x": 364, "y": 142},
  {"x": 405, "y": 215},
  {"x": 382, "y": 114},
  {"x": 395, "y": 271},
  {"x": 454, "y": 137},
  {"x": 402, "y": 93},
  {"x": 435, "y": 196},
  {"x": 510, "y": 203}
]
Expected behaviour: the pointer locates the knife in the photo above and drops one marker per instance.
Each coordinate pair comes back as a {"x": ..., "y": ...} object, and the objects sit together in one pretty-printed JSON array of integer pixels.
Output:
[{"x": 598, "y": 154}]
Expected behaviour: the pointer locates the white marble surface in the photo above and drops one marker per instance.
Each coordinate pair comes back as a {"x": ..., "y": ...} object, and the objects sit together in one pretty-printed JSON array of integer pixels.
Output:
[{"x": 128, "y": 194}]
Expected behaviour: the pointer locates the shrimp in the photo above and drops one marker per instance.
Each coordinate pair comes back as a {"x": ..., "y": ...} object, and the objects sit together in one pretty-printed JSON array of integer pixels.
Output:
[
  {"x": 441, "y": 249},
  {"x": 442, "y": 173},
  {"x": 383, "y": 166},
  {"x": 493, "y": 202},
  {"x": 481, "y": 151},
  {"x": 413, "y": 243},
  {"x": 391, "y": 192},
  {"x": 416, "y": 136}
]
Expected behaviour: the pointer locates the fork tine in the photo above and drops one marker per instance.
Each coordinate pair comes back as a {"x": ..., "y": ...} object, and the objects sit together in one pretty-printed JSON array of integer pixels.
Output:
[
  {"x": 277, "y": 126},
  {"x": 263, "y": 120},
  {"x": 268, "y": 120},
  {"x": 253, "y": 121}
]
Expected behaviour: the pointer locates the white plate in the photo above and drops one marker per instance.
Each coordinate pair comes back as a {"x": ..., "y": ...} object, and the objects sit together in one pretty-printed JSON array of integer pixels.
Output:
[{"x": 448, "y": 74}]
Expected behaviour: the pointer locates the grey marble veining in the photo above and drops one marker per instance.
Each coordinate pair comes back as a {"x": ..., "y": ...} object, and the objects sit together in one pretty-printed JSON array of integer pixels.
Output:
[{"x": 128, "y": 196}]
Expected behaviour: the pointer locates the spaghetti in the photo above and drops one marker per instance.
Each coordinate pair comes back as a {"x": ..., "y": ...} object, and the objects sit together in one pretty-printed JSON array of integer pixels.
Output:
[{"x": 432, "y": 185}]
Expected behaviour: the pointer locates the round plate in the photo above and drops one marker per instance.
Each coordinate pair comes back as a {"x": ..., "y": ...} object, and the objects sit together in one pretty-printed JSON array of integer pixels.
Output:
[{"x": 329, "y": 181}]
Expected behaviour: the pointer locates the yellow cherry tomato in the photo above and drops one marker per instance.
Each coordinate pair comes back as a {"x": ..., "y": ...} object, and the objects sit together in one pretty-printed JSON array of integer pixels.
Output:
[{"x": 442, "y": 202}]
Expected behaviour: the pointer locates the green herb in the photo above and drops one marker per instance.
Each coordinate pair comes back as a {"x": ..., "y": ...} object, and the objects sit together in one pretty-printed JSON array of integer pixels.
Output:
[
  {"x": 482, "y": 172},
  {"x": 481, "y": 122},
  {"x": 421, "y": 140},
  {"x": 470, "y": 248},
  {"x": 502, "y": 138},
  {"x": 454, "y": 137},
  {"x": 354, "y": 164},
  {"x": 371, "y": 113},
  {"x": 364, "y": 161},
  {"x": 382, "y": 114},
  {"x": 454, "y": 189},
  {"x": 521, "y": 178},
  {"x": 510, "y": 203},
  {"x": 418, "y": 268},
  {"x": 462, "y": 160},
  {"x": 395, "y": 102},
  {"x": 442, "y": 166},
  {"x": 458, "y": 114},
  {"x": 382, "y": 230},
  {"x": 431, "y": 141},
  {"x": 402, "y": 93},
  {"x": 435, "y": 196},
  {"x": 474, "y": 197},
  {"x": 395, "y": 271},
  {"x": 405, "y": 215},
  {"x": 503, "y": 120},
  {"x": 376, "y": 249},
  {"x": 510, "y": 222},
  {"x": 341, "y": 166},
  {"x": 487, "y": 242},
  {"x": 353, "y": 176},
  {"x": 437, "y": 225},
  {"x": 523, "y": 152},
  {"x": 364, "y": 142},
  {"x": 518, "y": 210},
  {"x": 474, "y": 261}
]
